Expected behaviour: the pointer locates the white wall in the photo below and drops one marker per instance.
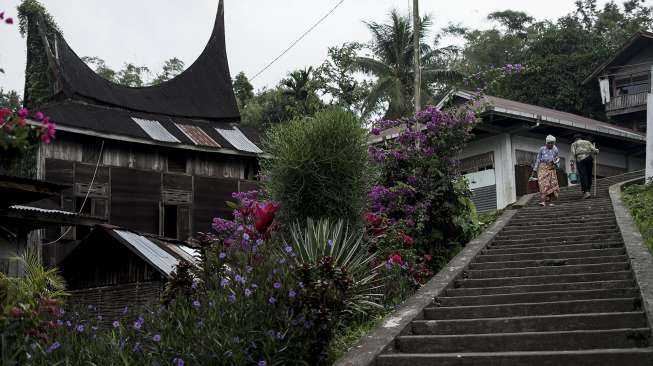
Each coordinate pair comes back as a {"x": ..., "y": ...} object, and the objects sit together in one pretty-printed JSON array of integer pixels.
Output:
[
  {"x": 607, "y": 156},
  {"x": 481, "y": 179},
  {"x": 504, "y": 168}
]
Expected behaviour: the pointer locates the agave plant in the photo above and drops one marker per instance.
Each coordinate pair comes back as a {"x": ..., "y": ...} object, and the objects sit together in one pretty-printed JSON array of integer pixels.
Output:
[{"x": 325, "y": 242}]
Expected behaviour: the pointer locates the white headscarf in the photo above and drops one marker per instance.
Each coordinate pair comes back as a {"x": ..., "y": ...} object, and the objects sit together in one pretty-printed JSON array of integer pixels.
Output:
[{"x": 550, "y": 138}]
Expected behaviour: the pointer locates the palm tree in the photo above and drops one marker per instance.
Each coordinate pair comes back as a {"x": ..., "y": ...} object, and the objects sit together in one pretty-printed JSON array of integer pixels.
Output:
[
  {"x": 392, "y": 65},
  {"x": 300, "y": 87}
]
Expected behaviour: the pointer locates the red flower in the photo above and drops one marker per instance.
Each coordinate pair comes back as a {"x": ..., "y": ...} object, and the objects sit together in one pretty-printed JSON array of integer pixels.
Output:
[
  {"x": 396, "y": 259},
  {"x": 264, "y": 215},
  {"x": 428, "y": 257},
  {"x": 16, "y": 312},
  {"x": 375, "y": 222},
  {"x": 408, "y": 240}
]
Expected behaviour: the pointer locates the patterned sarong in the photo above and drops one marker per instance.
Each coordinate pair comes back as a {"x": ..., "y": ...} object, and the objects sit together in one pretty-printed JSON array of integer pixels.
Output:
[{"x": 547, "y": 178}]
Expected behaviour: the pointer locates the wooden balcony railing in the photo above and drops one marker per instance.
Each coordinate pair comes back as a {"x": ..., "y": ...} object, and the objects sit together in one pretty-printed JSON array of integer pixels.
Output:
[{"x": 625, "y": 102}]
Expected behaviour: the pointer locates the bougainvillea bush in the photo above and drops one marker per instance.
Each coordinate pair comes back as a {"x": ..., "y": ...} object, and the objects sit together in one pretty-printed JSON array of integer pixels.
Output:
[{"x": 421, "y": 213}]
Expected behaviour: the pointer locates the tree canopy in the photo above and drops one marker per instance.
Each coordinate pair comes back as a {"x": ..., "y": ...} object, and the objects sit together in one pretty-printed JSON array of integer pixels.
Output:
[{"x": 561, "y": 53}]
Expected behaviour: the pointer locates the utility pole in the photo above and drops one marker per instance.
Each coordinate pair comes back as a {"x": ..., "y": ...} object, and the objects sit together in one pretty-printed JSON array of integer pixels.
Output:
[{"x": 417, "y": 56}]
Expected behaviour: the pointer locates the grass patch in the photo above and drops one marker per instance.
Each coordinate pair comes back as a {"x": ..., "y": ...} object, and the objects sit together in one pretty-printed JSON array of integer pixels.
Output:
[
  {"x": 350, "y": 335},
  {"x": 639, "y": 198}
]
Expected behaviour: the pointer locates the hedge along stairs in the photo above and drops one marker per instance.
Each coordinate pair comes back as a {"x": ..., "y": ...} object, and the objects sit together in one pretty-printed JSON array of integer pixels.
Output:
[{"x": 554, "y": 287}]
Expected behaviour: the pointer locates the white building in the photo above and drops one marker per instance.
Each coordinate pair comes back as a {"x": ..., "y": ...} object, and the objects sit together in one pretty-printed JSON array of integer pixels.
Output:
[{"x": 498, "y": 161}]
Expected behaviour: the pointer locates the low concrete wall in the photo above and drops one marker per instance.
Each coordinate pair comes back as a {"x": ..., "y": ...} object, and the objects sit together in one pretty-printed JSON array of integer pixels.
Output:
[
  {"x": 641, "y": 260},
  {"x": 382, "y": 337}
]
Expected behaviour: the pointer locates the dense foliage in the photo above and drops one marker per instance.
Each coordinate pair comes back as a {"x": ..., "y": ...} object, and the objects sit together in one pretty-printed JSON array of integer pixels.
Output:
[
  {"x": 640, "y": 200},
  {"x": 564, "y": 52},
  {"x": 319, "y": 167},
  {"x": 419, "y": 191}
]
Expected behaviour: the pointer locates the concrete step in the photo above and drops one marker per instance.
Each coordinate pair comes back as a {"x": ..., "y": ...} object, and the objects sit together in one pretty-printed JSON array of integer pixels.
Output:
[
  {"x": 486, "y": 258},
  {"x": 549, "y": 270},
  {"x": 545, "y": 323},
  {"x": 529, "y": 244},
  {"x": 574, "y": 286},
  {"x": 532, "y": 341},
  {"x": 598, "y": 357},
  {"x": 589, "y": 236},
  {"x": 557, "y": 219},
  {"x": 540, "y": 280},
  {"x": 535, "y": 297},
  {"x": 553, "y": 248},
  {"x": 547, "y": 262},
  {"x": 558, "y": 228},
  {"x": 554, "y": 233},
  {"x": 534, "y": 309}
]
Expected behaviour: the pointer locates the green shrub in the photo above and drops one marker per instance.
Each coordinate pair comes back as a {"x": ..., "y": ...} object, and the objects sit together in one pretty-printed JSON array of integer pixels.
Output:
[
  {"x": 319, "y": 167},
  {"x": 640, "y": 200}
]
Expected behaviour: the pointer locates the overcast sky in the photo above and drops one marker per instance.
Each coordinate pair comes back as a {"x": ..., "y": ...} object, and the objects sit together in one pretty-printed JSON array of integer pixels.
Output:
[{"x": 147, "y": 32}]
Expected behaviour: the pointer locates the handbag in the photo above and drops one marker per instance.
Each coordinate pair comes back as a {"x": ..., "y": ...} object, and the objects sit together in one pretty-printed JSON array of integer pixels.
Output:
[
  {"x": 533, "y": 184},
  {"x": 573, "y": 178}
]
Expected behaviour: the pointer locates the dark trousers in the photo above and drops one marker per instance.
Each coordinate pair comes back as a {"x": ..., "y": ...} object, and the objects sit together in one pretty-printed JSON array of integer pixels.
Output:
[{"x": 585, "y": 167}]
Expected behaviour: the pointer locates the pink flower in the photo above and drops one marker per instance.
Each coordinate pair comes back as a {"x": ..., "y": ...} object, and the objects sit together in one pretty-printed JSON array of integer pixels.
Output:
[
  {"x": 39, "y": 116},
  {"x": 23, "y": 112},
  {"x": 428, "y": 257},
  {"x": 396, "y": 259},
  {"x": 9, "y": 21},
  {"x": 408, "y": 240},
  {"x": 2, "y": 15}
]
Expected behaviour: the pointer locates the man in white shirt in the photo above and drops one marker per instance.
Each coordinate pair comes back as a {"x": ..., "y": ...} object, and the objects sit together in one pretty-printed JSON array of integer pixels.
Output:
[{"x": 583, "y": 152}]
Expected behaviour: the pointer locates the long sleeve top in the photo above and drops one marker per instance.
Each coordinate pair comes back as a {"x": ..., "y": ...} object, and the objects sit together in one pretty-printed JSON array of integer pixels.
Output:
[
  {"x": 546, "y": 156},
  {"x": 581, "y": 149}
]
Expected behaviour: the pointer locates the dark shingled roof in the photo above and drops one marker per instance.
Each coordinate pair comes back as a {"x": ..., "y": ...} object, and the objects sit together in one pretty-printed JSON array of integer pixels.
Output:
[{"x": 202, "y": 91}]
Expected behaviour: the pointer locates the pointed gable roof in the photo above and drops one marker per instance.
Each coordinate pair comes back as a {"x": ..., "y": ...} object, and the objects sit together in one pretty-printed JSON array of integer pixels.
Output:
[
  {"x": 202, "y": 91},
  {"x": 633, "y": 45}
]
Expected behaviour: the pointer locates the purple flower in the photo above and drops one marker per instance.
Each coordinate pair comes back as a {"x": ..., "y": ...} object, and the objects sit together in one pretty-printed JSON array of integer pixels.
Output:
[
  {"x": 222, "y": 255},
  {"x": 330, "y": 243},
  {"x": 196, "y": 303},
  {"x": 249, "y": 269},
  {"x": 137, "y": 347},
  {"x": 288, "y": 249},
  {"x": 248, "y": 292},
  {"x": 277, "y": 285},
  {"x": 125, "y": 310},
  {"x": 80, "y": 328},
  {"x": 60, "y": 322},
  {"x": 282, "y": 260},
  {"x": 300, "y": 284},
  {"x": 272, "y": 300},
  {"x": 240, "y": 279},
  {"x": 178, "y": 361},
  {"x": 69, "y": 324},
  {"x": 137, "y": 325},
  {"x": 246, "y": 237},
  {"x": 53, "y": 347},
  {"x": 231, "y": 298},
  {"x": 376, "y": 131},
  {"x": 292, "y": 293},
  {"x": 157, "y": 338},
  {"x": 194, "y": 285},
  {"x": 224, "y": 282},
  {"x": 254, "y": 285},
  {"x": 262, "y": 363}
]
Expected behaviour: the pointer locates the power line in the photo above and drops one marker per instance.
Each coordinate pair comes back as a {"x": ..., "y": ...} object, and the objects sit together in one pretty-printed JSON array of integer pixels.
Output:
[{"x": 297, "y": 40}]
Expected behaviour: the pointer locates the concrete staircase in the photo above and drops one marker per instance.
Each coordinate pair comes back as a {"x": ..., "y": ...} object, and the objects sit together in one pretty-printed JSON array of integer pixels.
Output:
[{"x": 553, "y": 288}]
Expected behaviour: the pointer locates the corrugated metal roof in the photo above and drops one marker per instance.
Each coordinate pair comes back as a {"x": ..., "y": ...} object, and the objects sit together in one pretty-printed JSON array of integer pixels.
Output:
[
  {"x": 155, "y": 130},
  {"x": 238, "y": 140},
  {"x": 197, "y": 135},
  {"x": 42, "y": 210},
  {"x": 154, "y": 254}
]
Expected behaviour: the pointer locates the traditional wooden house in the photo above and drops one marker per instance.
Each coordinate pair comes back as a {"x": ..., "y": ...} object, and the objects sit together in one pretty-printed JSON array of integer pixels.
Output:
[
  {"x": 625, "y": 81},
  {"x": 161, "y": 159}
]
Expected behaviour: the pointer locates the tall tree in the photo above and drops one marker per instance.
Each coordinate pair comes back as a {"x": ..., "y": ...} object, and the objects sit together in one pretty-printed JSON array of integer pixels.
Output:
[
  {"x": 132, "y": 75},
  {"x": 560, "y": 53},
  {"x": 392, "y": 65},
  {"x": 171, "y": 68},
  {"x": 10, "y": 99},
  {"x": 337, "y": 80},
  {"x": 243, "y": 89},
  {"x": 100, "y": 67},
  {"x": 301, "y": 88}
]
